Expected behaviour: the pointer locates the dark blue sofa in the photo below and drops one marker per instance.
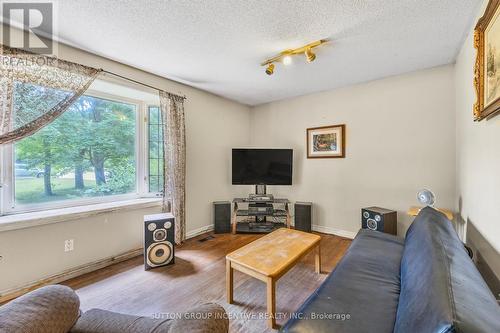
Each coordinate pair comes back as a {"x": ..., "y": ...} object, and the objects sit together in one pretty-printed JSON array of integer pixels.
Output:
[{"x": 425, "y": 283}]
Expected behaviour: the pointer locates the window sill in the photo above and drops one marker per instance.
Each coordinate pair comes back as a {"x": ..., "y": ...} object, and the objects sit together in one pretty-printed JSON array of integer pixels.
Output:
[{"x": 27, "y": 220}]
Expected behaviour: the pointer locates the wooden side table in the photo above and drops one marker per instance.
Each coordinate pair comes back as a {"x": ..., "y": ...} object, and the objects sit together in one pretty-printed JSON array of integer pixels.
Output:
[{"x": 414, "y": 210}]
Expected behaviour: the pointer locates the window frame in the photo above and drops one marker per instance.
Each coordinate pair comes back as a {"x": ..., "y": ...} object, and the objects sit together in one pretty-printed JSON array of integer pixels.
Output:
[
  {"x": 148, "y": 151},
  {"x": 7, "y": 175}
]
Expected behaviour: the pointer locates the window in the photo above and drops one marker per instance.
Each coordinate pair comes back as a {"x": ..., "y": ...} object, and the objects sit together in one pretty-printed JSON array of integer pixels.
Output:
[
  {"x": 155, "y": 157},
  {"x": 93, "y": 152},
  {"x": 89, "y": 151}
]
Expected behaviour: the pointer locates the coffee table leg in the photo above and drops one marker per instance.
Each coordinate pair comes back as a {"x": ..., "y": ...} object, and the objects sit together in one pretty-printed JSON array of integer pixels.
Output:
[
  {"x": 317, "y": 260},
  {"x": 229, "y": 282},
  {"x": 271, "y": 302},
  {"x": 233, "y": 218}
]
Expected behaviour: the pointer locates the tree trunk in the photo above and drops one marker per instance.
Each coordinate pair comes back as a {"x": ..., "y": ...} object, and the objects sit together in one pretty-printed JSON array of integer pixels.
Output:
[
  {"x": 79, "y": 184},
  {"x": 98, "y": 158},
  {"x": 100, "y": 178},
  {"x": 47, "y": 186}
]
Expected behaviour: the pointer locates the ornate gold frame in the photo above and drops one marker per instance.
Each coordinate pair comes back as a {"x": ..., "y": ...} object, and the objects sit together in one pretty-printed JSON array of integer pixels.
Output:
[{"x": 480, "y": 110}]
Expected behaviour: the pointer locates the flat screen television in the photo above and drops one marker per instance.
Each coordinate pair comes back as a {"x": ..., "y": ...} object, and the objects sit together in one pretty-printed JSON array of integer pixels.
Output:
[{"x": 262, "y": 166}]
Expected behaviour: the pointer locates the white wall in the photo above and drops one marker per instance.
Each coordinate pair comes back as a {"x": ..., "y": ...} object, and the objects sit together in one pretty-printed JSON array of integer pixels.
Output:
[
  {"x": 213, "y": 125},
  {"x": 478, "y": 153},
  {"x": 38, "y": 252},
  {"x": 400, "y": 138}
]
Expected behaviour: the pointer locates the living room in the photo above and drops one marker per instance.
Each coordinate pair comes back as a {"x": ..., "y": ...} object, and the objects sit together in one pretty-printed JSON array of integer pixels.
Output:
[{"x": 359, "y": 113}]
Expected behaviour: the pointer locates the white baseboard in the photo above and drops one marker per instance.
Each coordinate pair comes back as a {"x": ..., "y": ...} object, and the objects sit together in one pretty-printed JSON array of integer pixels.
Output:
[
  {"x": 6, "y": 295},
  {"x": 334, "y": 231},
  {"x": 199, "y": 231},
  {"x": 315, "y": 227}
]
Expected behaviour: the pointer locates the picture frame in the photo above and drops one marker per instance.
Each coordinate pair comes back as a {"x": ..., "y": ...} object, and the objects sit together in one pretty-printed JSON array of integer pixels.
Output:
[
  {"x": 487, "y": 65},
  {"x": 326, "y": 141}
]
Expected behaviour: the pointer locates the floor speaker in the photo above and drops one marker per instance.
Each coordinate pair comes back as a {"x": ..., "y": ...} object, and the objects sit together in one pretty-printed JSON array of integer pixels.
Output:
[
  {"x": 159, "y": 240},
  {"x": 379, "y": 219},
  {"x": 222, "y": 217},
  {"x": 303, "y": 216}
]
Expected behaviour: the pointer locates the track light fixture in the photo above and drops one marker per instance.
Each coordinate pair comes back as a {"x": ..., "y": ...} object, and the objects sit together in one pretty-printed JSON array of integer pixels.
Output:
[
  {"x": 287, "y": 60},
  {"x": 285, "y": 56},
  {"x": 270, "y": 69},
  {"x": 310, "y": 56}
]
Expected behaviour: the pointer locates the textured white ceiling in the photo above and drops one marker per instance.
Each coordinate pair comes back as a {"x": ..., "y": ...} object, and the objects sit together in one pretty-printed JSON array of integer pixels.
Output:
[{"x": 217, "y": 45}]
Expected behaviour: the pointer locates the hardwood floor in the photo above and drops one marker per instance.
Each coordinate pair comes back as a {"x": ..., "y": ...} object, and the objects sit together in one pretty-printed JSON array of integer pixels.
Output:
[{"x": 197, "y": 277}]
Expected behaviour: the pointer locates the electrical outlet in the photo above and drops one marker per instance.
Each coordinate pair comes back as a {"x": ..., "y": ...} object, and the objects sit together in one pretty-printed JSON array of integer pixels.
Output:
[{"x": 69, "y": 245}]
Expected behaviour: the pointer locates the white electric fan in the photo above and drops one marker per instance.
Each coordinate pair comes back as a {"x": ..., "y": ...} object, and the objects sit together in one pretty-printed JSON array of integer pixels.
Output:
[{"x": 426, "y": 197}]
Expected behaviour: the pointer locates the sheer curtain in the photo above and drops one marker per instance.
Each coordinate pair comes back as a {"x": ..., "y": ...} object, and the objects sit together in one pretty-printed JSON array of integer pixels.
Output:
[
  {"x": 51, "y": 84},
  {"x": 174, "y": 148}
]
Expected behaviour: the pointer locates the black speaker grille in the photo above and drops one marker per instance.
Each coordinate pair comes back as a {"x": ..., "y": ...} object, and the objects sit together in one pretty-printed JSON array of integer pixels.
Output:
[
  {"x": 158, "y": 235},
  {"x": 222, "y": 217},
  {"x": 303, "y": 216}
]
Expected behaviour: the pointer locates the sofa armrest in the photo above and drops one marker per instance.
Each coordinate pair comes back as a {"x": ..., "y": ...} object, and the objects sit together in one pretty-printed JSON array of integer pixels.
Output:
[
  {"x": 103, "y": 321},
  {"x": 50, "y": 309},
  {"x": 206, "y": 318}
]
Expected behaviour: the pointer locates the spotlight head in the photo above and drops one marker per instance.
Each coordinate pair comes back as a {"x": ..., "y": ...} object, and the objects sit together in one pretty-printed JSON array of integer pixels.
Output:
[
  {"x": 310, "y": 56},
  {"x": 270, "y": 69},
  {"x": 287, "y": 60}
]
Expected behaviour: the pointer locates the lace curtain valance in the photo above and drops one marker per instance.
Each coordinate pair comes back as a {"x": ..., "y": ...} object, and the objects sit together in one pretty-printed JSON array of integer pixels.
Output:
[{"x": 49, "y": 84}]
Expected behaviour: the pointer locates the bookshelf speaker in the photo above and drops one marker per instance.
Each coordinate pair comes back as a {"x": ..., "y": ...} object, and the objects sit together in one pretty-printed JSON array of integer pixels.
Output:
[
  {"x": 222, "y": 217},
  {"x": 159, "y": 240},
  {"x": 303, "y": 216},
  {"x": 379, "y": 219}
]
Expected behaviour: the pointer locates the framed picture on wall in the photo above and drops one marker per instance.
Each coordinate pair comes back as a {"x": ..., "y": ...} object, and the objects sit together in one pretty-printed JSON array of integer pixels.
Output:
[
  {"x": 487, "y": 67},
  {"x": 326, "y": 142}
]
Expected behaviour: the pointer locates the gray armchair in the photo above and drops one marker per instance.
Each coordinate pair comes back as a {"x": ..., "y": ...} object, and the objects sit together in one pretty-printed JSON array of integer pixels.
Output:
[{"x": 55, "y": 309}]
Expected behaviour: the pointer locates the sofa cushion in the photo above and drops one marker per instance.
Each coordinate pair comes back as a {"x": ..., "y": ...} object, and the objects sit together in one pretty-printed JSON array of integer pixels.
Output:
[
  {"x": 362, "y": 291},
  {"x": 441, "y": 289},
  {"x": 206, "y": 318},
  {"x": 50, "y": 309},
  {"x": 101, "y": 321}
]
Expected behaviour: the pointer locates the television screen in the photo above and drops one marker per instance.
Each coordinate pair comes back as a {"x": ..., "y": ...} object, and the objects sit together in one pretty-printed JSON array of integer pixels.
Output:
[{"x": 262, "y": 166}]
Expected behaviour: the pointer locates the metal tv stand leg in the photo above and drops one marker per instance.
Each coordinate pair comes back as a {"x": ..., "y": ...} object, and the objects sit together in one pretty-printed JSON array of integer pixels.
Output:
[{"x": 260, "y": 190}]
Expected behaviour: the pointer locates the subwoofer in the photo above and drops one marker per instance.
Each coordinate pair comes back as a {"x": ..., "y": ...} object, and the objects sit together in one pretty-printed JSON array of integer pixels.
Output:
[
  {"x": 379, "y": 219},
  {"x": 222, "y": 217},
  {"x": 159, "y": 240},
  {"x": 303, "y": 216}
]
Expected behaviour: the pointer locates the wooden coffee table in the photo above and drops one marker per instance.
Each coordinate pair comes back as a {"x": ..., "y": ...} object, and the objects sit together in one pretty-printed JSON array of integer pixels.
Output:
[{"x": 269, "y": 258}]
